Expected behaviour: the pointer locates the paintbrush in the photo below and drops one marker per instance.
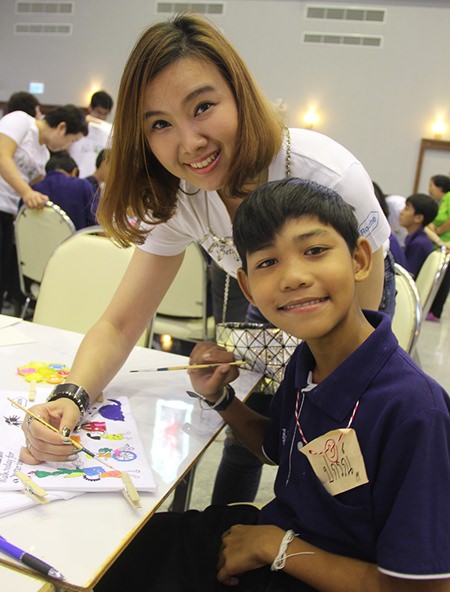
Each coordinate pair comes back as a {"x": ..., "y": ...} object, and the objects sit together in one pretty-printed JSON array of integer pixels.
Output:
[
  {"x": 43, "y": 422},
  {"x": 191, "y": 367}
]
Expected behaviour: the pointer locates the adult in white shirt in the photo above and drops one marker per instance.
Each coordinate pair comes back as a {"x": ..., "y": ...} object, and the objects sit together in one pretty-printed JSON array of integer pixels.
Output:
[
  {"x": 24, "y": 149},
  {"x": 85, "y": 151}
]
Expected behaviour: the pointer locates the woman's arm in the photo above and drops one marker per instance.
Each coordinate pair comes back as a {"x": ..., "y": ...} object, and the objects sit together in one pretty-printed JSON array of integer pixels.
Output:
[
  {"x": 105, "y": 347},
  {"x": 10, "y": 173}
]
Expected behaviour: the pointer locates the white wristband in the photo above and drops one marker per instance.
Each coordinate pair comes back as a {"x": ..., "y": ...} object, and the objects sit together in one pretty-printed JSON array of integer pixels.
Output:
[{"x": 280, "y": 560}]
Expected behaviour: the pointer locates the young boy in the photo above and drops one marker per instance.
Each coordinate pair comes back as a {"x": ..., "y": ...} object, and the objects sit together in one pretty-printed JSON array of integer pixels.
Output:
[
  {"x": 419, "y": 211},
  {"x": 360, "y": 433}
]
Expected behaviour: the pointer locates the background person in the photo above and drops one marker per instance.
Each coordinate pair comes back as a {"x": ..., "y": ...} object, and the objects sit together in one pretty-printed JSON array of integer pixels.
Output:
[
  {"x": 63, "y": 187},
  {"x": 25, "y": 143}
]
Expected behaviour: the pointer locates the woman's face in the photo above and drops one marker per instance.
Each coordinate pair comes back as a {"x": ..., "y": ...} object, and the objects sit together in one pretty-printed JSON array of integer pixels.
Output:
[{"x": 191, "y": 122}]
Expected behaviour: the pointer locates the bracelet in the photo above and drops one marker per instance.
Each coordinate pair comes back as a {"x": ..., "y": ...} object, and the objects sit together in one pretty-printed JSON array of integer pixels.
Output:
[
  {"x": 280, "y": 560},
  {"x": 223, "y": 401},
  {"x": 75, "y": 393}
]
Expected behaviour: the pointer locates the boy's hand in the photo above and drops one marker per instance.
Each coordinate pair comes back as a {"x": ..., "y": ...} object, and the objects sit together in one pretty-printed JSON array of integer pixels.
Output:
[
  {"x": 245, "y": 548},
  {"x": 209, "y": 382}
]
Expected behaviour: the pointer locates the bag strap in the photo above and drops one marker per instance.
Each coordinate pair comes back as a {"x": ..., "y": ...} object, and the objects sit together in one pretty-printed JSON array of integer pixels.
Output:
[{"x": 226, "y": 290}]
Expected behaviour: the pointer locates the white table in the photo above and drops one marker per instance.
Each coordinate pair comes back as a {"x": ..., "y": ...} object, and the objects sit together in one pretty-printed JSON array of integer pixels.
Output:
[{"x": 81, "y": 537}]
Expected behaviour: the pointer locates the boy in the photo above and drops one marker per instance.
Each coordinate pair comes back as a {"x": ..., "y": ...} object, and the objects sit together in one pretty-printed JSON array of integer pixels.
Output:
[
  {"x": 419, "y": 211},
  {"x": 63, "y": 187},
  {"x": 360, "y": 434}
]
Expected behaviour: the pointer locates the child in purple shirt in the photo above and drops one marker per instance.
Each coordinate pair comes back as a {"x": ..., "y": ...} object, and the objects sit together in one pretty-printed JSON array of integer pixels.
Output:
[{"x": 419, "y": 211}]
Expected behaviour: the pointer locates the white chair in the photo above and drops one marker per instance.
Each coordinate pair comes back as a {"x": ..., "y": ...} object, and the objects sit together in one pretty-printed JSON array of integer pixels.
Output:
[
  {"x": 37, "y": 234},
  {"x": 79, "y": 281},
  {"x": 430, "y": 277},
  {"x": 407, "y": 318},
  {"x": 183, "y": 311}
]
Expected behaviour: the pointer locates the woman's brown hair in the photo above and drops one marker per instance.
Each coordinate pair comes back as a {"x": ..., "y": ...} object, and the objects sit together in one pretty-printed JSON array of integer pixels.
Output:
[{"x": 138, "y": 186}]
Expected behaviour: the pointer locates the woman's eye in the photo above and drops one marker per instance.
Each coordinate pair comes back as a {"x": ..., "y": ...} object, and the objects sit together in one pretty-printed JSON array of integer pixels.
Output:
[
  {"x": 202, "y": 108},
  {"x": 160, "y": 124}
]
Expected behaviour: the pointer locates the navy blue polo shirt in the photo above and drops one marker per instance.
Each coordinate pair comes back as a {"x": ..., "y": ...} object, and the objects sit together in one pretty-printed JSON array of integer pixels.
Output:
[
  {"x": 418, "y": 246},
  {"x": 73, "y": 195},
  {"x": 400, "y": 519}
]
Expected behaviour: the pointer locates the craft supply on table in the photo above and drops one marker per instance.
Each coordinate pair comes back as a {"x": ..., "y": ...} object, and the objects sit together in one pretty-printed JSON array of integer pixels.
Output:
[{"x": 49, "y": 372}]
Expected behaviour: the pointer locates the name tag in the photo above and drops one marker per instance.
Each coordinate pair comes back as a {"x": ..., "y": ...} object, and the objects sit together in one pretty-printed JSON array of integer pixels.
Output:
[{"x": 337, "y": 461}]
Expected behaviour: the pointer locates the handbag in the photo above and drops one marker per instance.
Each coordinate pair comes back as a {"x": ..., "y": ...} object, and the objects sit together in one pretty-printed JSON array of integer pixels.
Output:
[{"x": 265, "y": 348}]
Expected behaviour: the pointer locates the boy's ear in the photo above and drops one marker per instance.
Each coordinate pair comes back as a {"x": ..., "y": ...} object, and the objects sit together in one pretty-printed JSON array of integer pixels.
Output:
[
  {"x": 362, "y": 260},
  {"x": 242, "y": 279}
]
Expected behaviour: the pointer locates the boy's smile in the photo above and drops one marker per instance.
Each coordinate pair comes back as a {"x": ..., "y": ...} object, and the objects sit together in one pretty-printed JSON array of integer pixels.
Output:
[{"x": 303, "y": 281}]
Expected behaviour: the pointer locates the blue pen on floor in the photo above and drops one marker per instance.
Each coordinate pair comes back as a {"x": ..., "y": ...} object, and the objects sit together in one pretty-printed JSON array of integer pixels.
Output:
[{"x": 29, "y": 560}]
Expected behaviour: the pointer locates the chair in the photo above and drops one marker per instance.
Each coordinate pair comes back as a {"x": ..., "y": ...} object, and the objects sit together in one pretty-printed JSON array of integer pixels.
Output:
[
  {"x": 183, "y": 311},
  {"x": 79, "y": 281},
  {"x": 430, "y": 277},
  {"x": 37, "y": 234},
  {"x": 407, "y": 318}
]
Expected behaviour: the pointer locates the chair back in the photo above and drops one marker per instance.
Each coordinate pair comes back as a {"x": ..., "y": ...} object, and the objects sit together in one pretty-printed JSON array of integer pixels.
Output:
[
  {"x": 430, "y": 277},
  {"x": 79, "y": 281},
  {"x": 407, "y": 318},
  {"x": 38, "y": 233},
  {"x": 183, "y": 312}
]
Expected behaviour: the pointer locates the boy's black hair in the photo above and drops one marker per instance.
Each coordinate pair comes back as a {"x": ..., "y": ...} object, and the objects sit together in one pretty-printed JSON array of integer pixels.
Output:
[
  {"x": 102, "y": 99},
  {"x": 61, "y": 160},
  {"x": 442, "y": 181},
  {"x": 264, "y": 212},
  {"x": 23, "y": 101},
  {"x": 425, "y": 206},
  {"x": 72, "y": 116}
]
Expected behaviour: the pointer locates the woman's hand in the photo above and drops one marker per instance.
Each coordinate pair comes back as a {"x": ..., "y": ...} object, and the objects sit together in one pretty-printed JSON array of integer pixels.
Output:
[
  {"x": 34, "y": 199},
  {"x": 42, "y": 444},
  {"x": 209, "y": 382}
]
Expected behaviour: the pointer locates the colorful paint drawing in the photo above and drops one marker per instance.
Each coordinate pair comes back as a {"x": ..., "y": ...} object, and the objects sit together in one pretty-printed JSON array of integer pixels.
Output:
[
  {"x": 88, "y": 473},
  {"x": 122, "y": 454},
  {"x": 112, "y": 411}
]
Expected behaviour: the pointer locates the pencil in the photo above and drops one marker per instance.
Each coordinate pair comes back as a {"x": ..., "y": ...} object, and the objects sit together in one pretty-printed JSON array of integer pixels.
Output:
[
  {"x": 43, "y": 422},
  {"x": 191, "y": 367}
]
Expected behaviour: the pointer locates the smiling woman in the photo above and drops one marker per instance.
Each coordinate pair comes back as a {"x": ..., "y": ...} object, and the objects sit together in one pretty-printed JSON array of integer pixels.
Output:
[{"x": 193, "y": 136}]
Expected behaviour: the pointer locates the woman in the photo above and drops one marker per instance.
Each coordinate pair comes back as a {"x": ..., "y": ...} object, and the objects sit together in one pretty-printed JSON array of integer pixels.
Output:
[
  {"x": 24, "y": 149},
  {"x": 192, "y": 136}
]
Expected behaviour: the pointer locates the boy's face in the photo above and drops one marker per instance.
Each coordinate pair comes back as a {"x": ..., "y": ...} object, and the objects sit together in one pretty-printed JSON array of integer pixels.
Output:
[
  {"x": 408, "y": 217},
  {"x": 304, "y": 280}
]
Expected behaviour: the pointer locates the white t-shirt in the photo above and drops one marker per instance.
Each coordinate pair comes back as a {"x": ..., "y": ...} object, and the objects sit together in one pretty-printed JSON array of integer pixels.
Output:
[
  {"x": 30, "y": 157},
  {"x": 203, "y": 217},
  {"x": 396, "y": 203},
  {"x": 85, "y": 151}
]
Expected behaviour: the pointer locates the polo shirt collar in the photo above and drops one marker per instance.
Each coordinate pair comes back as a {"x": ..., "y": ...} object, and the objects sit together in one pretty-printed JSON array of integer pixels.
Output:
[{"x": 337, "y": 395}]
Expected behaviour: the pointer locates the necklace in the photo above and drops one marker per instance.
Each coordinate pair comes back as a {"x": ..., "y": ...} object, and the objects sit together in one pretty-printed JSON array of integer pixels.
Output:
[{"x": 298, "y": 412}]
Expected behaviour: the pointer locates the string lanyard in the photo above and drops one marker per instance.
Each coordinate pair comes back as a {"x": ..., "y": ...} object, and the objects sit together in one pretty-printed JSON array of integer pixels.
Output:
[{"x": 298, "y": 412}]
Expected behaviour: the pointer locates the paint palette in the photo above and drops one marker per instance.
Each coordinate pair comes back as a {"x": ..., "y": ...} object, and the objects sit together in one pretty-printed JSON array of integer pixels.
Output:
[{"x": 49, "y": 372}]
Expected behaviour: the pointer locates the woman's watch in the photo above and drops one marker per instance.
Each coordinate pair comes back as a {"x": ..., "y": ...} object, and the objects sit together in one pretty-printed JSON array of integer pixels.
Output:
[{"x": 75, "y": 393}]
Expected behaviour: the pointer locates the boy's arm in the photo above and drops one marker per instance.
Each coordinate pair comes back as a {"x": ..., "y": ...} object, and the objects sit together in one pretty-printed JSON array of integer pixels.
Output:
[
  {"x": 248, "y": 426},
  {"x": 246, "y": 548}
]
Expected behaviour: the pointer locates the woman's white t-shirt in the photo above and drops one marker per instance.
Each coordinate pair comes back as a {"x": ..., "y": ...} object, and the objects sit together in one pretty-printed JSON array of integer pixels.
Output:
[{"x": 202, "y": 216}]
